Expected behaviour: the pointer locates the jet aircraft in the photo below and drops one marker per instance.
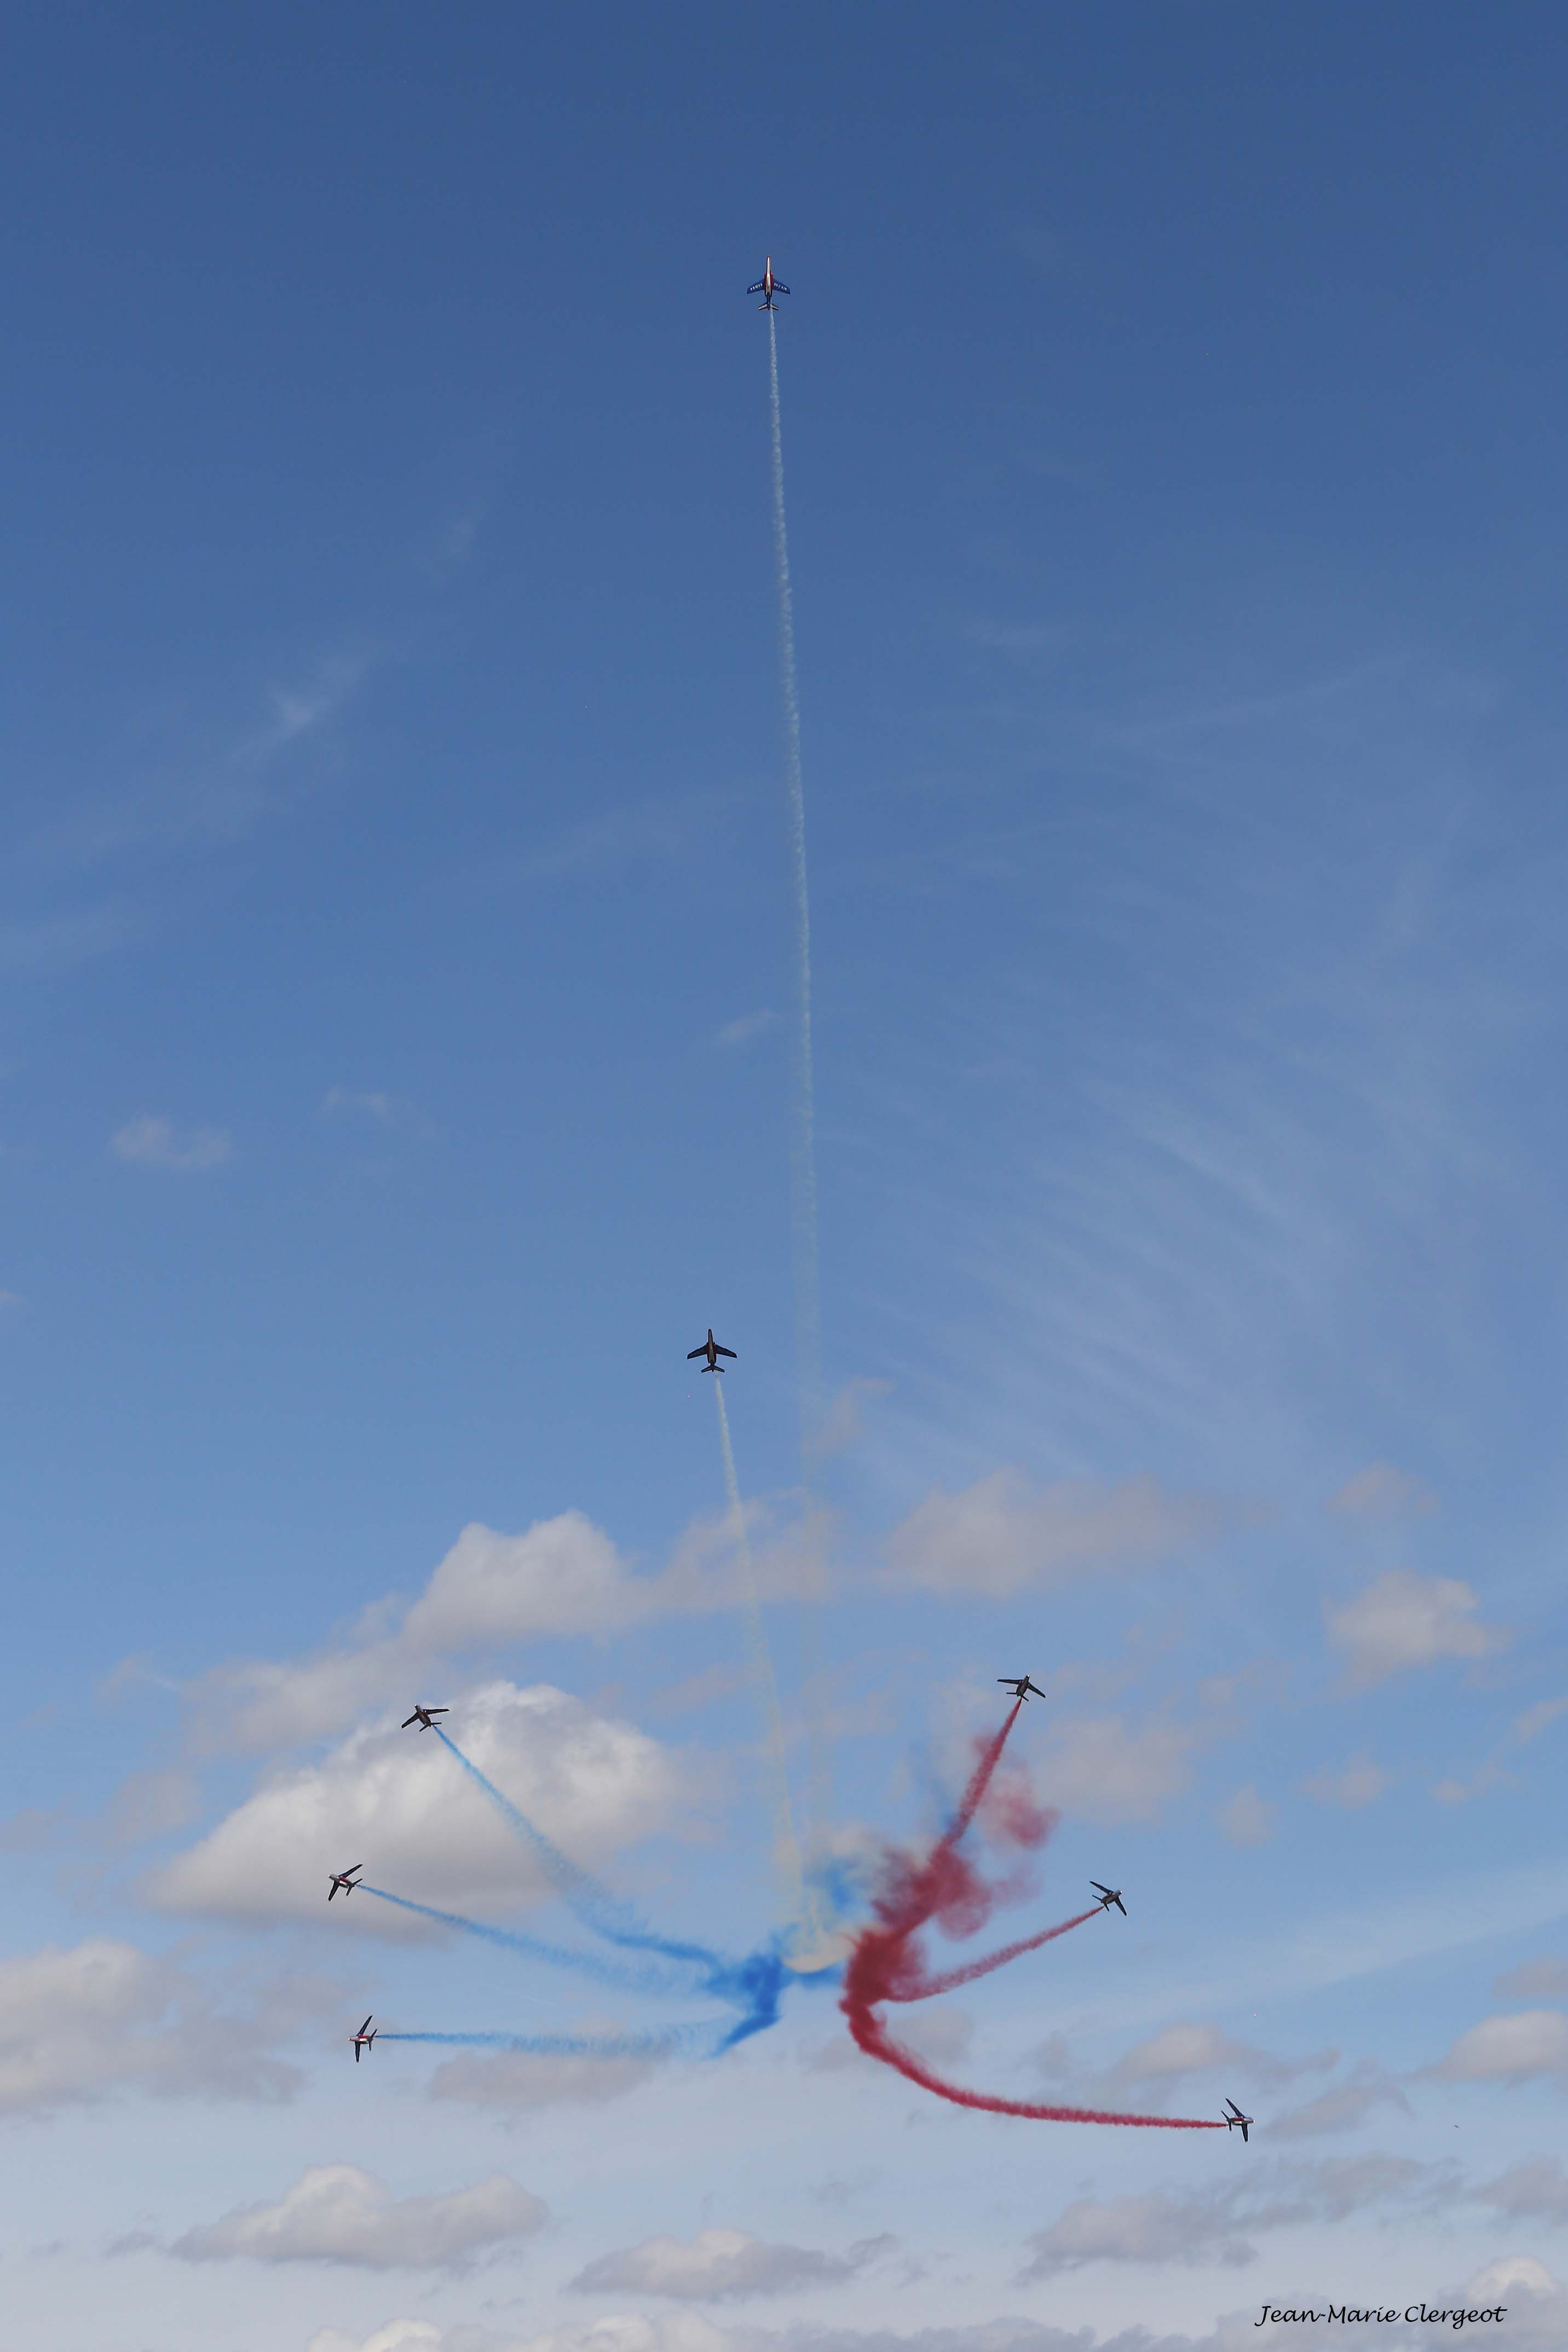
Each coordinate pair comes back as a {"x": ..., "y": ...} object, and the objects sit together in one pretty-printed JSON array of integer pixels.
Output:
[
  {"x": 1107, "y": 1896},
  {"x": 345, "y": 1879},
  {"x": 712, "y": 1350},
  {"x": 1020, "y": 1687},
  {"x": 362, "y": 2040},
  {"x": 767, "y": 286},
  {"x": 1235, "y": 2115},
  {"x": 424, "y": 1716}
]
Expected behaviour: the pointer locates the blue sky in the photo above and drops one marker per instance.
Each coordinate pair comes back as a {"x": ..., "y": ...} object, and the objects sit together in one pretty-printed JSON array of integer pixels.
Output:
[{"x": 396, "y": 949}]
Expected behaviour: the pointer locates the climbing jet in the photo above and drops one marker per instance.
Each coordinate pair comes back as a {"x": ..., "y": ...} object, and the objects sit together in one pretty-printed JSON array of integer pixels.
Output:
[
  {"x": 362, "y": 2040},
  {"x": 1107, "y": 1896},
  {"x": 767, "y": 286},
  {"x": 1235, "y": 2115},
  {"x": 1020, "y": 1689},
  {"x": 424, "y": 1716},
  {"x": 710, "y": 1348},
  {"x": 344, "y": 1879}
]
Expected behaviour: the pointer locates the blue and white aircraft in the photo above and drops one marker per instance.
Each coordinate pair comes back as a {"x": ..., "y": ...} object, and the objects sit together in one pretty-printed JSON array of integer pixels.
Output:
[{"x": 767, "y": 286}]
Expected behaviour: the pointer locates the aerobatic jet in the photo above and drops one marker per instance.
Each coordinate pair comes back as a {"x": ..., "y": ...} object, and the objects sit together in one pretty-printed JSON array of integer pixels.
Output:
[
  {"x": 767, "y": 286},
  {"x": 362, "y": 2039},
  {"x": 344, "y": 1879},
  {"x": 424, "y": 1716},
  {"x": 1020, "y": 1687},
  {"x": 712, "y": 1350},
  {"x": 1107, "y": 1896},
  {"x": 1235, "y": 2116}
]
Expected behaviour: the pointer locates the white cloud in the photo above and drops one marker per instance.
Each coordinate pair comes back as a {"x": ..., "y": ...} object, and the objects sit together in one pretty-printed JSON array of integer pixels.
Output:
[
  {"x": 563, "y": 1576},
  {"x": 1200, "y": 2049},
  {"x": 750, "y": 1026},
  {"x": 1536, "y": 2190},
  {"x": 385, "y": 1109},
  {"x": 1247, "y": 1819},
  {"x": 81, "y": 2025},
  {"x": 1004, "y": 1534},
  {"x": 1360, "y": 1784},
  {"x": 1536, "y": 1720},
  {"x": 400, "y": 1802},
  {"x": 155, "y": 1142},
  {"x": 1344, "y": 2107},
  {"x": 1542, "y": 1980},
  {"x": 336, "y": 2213},
  {"x": 1516, "y": 2049},
  {"x": 1482, "y": 1780},
  {"x": 1382, "y": 1492},
  {"x": 1101, "y": 1768},
  {"x": 516, "y": 2081},
  {"x": 720, "y": 2265},
  {"x": 1155, "y": 2227},
  {"x": 1403, "y": 1621},
  {"x": 843, "y": 1420}
]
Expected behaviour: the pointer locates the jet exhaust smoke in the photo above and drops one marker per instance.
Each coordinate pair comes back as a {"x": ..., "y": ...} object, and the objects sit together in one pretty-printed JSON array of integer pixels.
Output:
[
  {"x": 556, "y": 1956},
  {"x": 886, "y": 1965},
  {"x": 672, "y": 2041}
]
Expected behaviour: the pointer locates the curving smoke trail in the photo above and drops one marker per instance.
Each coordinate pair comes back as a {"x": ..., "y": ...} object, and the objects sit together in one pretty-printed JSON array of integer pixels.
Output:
[
  {"x": 885, "y": 1964},
  {"x": 559, "y": 1956},
  {"x": 787, "y": 1844},
  {"x": 753, "y": 1985}
]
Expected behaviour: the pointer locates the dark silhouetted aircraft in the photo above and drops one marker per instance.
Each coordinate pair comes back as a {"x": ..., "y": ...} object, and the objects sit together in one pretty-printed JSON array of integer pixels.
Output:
[
  {"x": 767, "y": 286},
  {"x": 345, "y": 1879},
  {"x": 1020, "y": 1689},
  {"x": 1235, "y": 2115},
  {"x": 1107, "y": 1896},
  {"x": 424, "y": 1716},
  {"x": 712, "y": 1350},
  {"x": 362, "y": 2040}
]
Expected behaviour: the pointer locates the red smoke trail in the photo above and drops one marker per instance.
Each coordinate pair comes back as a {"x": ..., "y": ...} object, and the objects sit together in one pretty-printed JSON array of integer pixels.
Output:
[
  {"x": 951, "y": 1978},
  {"x": 883, "y": 1967}
]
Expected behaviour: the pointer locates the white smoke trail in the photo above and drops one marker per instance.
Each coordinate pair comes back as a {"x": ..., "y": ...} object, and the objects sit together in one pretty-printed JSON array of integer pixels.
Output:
[
  {"x": 787, "y": 1844},
  {"x": 802, "y": 1109},
  {"x": 803, "y": 1126}
]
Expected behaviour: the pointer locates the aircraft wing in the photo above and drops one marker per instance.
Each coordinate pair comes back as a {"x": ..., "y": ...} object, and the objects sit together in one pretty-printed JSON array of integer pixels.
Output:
[
  {"x": 408, "y": 1720},
  {"x": 718, "y": 1350},
  {"x": 761, "y": 286},
  {"x": 779, "y": 286},
  {"x": 692, "y": 1353}
]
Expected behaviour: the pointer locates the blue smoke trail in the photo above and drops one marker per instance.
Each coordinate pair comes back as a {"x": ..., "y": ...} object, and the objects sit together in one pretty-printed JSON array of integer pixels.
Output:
[
  {"x": 559, "y": 1956},
  {"x": 669, "y": 2043},
  {"x": 752, "y": 1985},
  {"x": 583, "y": 1895}
]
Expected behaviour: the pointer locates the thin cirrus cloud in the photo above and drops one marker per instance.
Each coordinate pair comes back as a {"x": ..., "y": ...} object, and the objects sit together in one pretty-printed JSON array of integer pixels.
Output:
[
  {"x": 337, "y": 2214},
  {"x": 151, "y": 1141}
]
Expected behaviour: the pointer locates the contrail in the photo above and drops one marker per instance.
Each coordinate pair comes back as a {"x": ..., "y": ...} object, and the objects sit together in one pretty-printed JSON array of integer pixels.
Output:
[
  {"x": 558, "y": 1956},
  {"x": 802, "y": 1110},
  {"x": 786, "y": 1843}
]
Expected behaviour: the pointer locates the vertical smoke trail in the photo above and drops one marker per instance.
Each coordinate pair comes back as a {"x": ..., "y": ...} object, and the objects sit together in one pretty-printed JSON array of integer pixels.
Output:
[
  {"x": 786, "y": 1842},
  {"x": 802, "y": 1107},
  {"x": 803, "y": 1137}
]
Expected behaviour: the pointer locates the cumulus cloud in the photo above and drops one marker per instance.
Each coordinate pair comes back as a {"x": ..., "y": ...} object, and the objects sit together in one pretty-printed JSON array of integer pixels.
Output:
[
  {"x": 155, "y": 1142},
  {"x": 592, "y": 1784},
  {"x": 1005, "y": 1535},
  {"x": 1156, "y": 2227},
  {"x": 1103, "y": 1769},
  {"x": 514, "y": 2081},
  {"x": 1516, "y": 2049},
  {"x": 100, "y": 2019},
  {"x": 1360, "y": 1783},
  {"x": 1198, "y": 2049},
  {"x": 1535, "y": 2191},
  {"x": 1451, "y": 1790},
  {"x": 720, "y": 2265},
  {"x": 336, "y": 2213},
  {"x": 691, "y": 2331},
  {"x": 1382, "y": 1492},
  {"x": 1247, "y": 1819},
  {"x": 563, "y": 1576},
  {"x": 1403, "y": 1621}
]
